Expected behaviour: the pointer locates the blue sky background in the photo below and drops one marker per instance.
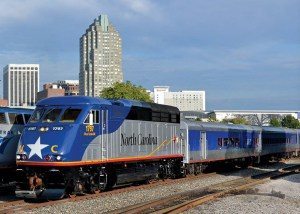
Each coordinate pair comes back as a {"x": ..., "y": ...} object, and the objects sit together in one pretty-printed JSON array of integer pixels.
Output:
[{"x": 244, "y": 54}]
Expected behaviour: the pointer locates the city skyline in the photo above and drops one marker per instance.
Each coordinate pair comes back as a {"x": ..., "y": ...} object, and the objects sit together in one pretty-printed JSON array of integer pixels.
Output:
[{"x": 244, "y": 55}]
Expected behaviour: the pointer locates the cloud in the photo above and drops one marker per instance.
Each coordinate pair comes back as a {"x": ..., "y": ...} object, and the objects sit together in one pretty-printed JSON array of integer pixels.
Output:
[
  {"x": 231, "y": 49},
  {"x": 254, "y": 71},
  {"x": 24, "y": 11},
  {"x": 139, "y": 6},
  {"x": 221, "y": 60},
  {"x": 135, "y": 10},
  {"x": 18, "y": 10}
]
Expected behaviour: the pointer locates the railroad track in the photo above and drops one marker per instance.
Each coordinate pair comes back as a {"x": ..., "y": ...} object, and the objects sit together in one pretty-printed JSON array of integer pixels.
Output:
[
  {"x": 184, "y": 201},
  {"x": 17, "y": 205}
]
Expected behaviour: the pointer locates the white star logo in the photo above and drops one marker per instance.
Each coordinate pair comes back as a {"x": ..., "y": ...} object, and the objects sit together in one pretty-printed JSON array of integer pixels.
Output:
[{"x": 36, "y": 149}]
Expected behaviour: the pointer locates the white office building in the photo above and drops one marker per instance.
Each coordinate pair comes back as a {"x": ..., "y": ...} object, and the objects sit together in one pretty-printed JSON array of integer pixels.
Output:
[
  {"x": 21, "y": 84},
  {"x": 254, "y": 117},
  {"x": 183, "y": 100}
]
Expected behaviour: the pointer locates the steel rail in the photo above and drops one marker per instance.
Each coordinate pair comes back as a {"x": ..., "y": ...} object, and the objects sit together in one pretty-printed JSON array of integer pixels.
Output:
[{"x": 184, "y": 201}]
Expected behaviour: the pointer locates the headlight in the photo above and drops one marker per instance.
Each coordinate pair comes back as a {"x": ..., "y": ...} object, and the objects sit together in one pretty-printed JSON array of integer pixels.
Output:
[
  {"x": 53, "y": 157},
  {"x": 21, "y": 157},
  {"x": 58, "y": 158},
  {"x": 44, "y": 129}
]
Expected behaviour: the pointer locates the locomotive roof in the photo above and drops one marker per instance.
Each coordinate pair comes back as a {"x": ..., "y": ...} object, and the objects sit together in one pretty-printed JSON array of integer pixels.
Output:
[
  {"x": 84, "y": 100},
  {"x": 214, "y": 126},
  {"x": 148, "y": 105},
  {"x": 73, "y": 100},
  {"x": 163, "y": 108},
  {"x": 16, "y": 110}
]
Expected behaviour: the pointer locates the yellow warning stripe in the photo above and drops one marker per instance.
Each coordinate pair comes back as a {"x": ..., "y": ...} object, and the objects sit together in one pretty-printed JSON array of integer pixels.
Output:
[{"x": 164, "y": 143}]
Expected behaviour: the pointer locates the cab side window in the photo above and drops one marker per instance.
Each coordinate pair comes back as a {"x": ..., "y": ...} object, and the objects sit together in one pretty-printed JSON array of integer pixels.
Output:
[
  {"x": 95, "y": 117},
  {"x": 2, "y": 118},
  {"x": 27, "y": 117}
]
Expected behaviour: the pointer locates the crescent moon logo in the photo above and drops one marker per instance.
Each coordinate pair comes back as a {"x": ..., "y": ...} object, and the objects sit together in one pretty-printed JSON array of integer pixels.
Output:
[{"x": 54, "y": 148}]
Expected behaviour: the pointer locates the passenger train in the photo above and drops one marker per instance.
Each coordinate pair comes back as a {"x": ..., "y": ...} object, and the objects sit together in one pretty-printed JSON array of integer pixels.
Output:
[
  {"x": 75, "y": 145},
  {"x": 12, "y": 122}
]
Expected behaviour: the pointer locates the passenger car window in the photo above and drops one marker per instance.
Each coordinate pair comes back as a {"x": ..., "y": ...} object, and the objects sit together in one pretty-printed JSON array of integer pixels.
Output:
[
  {"x": 37, "y": 115},
  {"x": 70, "y": 115},
  {"x": 51, "y": 115}
]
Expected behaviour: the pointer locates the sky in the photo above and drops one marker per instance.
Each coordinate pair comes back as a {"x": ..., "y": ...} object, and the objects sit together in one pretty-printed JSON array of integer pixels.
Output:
[{"x": 244, "y": 53}]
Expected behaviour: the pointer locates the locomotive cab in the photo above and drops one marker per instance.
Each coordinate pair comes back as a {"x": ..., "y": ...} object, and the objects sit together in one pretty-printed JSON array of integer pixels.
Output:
[{"x": 46, "y": 136}]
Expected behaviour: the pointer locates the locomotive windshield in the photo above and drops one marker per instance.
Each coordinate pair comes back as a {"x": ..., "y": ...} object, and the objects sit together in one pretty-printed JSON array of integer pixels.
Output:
[
  {"x": 52, "y": 115},
  {"x": 70, "y": 115},
  {"x": 37, "y": 115}
]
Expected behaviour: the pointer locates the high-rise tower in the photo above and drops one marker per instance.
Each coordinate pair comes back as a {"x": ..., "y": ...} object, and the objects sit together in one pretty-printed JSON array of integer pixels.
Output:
[{"x": 100, "y": 57}]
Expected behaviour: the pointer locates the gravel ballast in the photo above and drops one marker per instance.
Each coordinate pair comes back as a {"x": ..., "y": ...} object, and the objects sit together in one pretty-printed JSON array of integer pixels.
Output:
[
  {"x": 277, "y": 196},
  {"x": 248, "y": 204},
  {"x": 108, "y": 203}
]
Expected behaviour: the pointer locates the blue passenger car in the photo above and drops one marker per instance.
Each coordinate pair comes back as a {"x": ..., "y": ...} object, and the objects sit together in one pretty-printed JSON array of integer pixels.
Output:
[
  {"x": 212, "y": 142},
  {"x": 12, "y": 121},
  {"x": 280, "y": 142}
]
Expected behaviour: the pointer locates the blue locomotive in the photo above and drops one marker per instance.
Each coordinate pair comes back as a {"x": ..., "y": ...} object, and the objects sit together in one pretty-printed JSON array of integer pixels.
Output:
[
  {"x": 74, "y": 145},
  {"x": 12, "y": 122},
  {"x": 79, "y": 144}
]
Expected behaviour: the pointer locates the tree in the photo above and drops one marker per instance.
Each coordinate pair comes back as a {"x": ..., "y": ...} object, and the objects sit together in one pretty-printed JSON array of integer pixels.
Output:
[
  {"x": 275, "y": 122},
  {"x": 237, "y": 120},
  {"x": 212, "y": 118},
  {"x": 126, "y": 90},
  {"x": 290, "y": 122}
]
